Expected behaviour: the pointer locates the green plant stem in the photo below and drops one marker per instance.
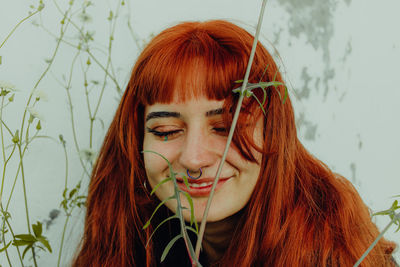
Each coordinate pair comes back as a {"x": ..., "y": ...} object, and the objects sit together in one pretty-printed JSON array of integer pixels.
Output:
[
  {"x": 62, "y": 32},
  {"x": 110, "y": 42},
  {"x": 67, "y": 88},
  {"x": 62, "y": 240},
  {"x": 133, "y": 35},
  {"x": 34, "y": 256},
  {"x": 26, "y": 201},
  {"x": 188, "y": 244},
  {"x": 7, "y": 128},
  {"x": 12, "y": 234},
  {"x": 231, "y": 131},
  {"x": 66, "y": 167},
  {"x": 19, "y": 167},
  {"x": 179, "y": 212},
  {"x": 2, "y": 135},
  {"x": 16, "y": 26},
  {"x": 4, "y": 237},
  {"x": 4, "y": 172},
  {"x": 88, "y": 103},
  {"x": 68, "y": 215},
  {"x": 89, "y": 52},
  {"x": 3, "y": 148},
  {"x": 376, "y": 240},
  {"x": 24, "y": 188}
]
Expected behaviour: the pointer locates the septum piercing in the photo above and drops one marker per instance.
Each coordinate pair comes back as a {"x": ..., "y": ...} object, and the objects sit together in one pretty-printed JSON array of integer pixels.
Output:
[{"x": 194, "y": 178}]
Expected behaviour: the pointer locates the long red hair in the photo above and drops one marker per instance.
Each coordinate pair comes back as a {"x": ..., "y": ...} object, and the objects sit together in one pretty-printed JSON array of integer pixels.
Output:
[{"x": 301, "y": 213}]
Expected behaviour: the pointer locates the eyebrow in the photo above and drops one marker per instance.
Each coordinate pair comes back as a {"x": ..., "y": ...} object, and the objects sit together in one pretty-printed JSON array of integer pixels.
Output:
[{"x": 168, "y": 114}]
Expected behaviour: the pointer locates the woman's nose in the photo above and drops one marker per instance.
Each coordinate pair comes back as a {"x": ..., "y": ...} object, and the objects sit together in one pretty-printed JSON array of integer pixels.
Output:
[{"x": 197, "y": 152}]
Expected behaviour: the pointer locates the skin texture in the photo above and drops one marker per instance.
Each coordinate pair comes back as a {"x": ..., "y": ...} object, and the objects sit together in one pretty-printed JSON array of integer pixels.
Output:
[{"x": 198, "y": 141}]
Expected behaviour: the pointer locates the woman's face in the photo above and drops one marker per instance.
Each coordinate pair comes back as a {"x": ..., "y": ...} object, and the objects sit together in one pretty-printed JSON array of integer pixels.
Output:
[{"x": 191, "y": 135}]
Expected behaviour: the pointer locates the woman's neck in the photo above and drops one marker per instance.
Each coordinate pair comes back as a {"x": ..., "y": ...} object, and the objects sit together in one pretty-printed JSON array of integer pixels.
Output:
[{"x": 218, "y": 236}]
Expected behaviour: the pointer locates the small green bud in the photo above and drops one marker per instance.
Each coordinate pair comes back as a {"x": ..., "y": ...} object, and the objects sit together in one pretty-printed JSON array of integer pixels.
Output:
[
  {"x": 38, "y": 126},
  {"x": 4, "y": 92},
  {"x": 62, "y": 22},
  {"x": 88, "y": 62},
  {"x": 15, "y": 139},
  {"x": 112, "y": 38},
  {"x": 86, "y": 84},
  {"x": 11, "y": 98},
  {"x": 122, "y": 3},
  {"x": 40, "y": 7},
  {"x": 110, "y": 17},
  {"x": 61, "y": 137}
]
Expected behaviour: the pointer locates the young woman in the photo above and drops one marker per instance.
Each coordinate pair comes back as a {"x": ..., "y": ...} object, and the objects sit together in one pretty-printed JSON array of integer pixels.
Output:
[{"x": 275, "y": 204}]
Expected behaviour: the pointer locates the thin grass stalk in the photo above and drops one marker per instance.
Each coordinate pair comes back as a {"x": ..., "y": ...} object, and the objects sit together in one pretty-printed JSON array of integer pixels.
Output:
[
  {"x": 376, "y": 240},
  {"x": 231, "y": 131},
  {"x": 18, "y": 24}
]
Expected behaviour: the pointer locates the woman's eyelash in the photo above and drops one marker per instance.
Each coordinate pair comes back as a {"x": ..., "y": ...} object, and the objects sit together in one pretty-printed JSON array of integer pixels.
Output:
[
  {"x": 161, "y": 134},
  {"x": 169, "y": 133},
  {"x": 220, "y": 129}
]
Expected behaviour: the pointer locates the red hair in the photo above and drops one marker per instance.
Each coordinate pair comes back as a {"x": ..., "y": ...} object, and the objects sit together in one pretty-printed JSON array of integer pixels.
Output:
[{"x": 301, "y": 213}]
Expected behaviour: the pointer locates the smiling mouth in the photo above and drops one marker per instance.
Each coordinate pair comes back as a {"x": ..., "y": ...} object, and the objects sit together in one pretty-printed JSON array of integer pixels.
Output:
[{"x": 201, "y": 187}]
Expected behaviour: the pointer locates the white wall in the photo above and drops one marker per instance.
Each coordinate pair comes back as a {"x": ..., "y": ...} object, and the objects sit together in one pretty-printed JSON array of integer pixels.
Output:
[{"x": 341, "y": 58}]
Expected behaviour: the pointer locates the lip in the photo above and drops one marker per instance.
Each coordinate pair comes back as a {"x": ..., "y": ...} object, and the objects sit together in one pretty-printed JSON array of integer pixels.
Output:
[{"x": 201, "y": 191}]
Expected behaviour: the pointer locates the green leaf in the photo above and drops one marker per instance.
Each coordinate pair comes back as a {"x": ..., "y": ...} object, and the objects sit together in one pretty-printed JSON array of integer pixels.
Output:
[
  {"x": 264, "y": 96},
  {"x": 185, "y": 181},
  {"x": 196, "y": 231},
  {"x": 44, "y": 241},
  {"x": 384, "y": 212},
  {"x": 279, "y": 93},
  {"x": 159, "y": 225},
  {"x": 19, "y": 243},
  {"x": 26, "y": 250},
  {"x": 64, "y": 204},
  {"x": 71, "y": 194},
  {"x": 65, "y": 192},
  {"x": 159, "y": 184},
  {"x": 261, "y": 105},
  {"x": 3, "y": 249},
  {"x": 265, "y": 84},
  {"x": 238, "y": 81},
  {"x": 37, "y": 229},
  {"x": 169, "y": 246},
  {"x": 285, "y": 95},
  {"x": 26, "y": 237},
  {"x": 189, "y": 198},
  {"x": 265, "y": 70},
  {"x": 155, "y": 210}
]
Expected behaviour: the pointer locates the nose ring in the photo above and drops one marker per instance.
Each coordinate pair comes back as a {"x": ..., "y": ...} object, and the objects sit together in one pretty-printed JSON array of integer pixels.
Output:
[{"x": 191, "y": 177}]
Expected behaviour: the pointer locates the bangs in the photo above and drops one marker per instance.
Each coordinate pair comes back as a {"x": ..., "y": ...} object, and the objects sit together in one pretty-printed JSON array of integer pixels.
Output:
[{"x": 190, "y": 65}]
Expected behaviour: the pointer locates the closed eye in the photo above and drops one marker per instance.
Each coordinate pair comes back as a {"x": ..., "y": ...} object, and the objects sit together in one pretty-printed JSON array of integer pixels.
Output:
[
  {"x": 162, "y": 134},
  {"x": 221, "y": 131}
]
